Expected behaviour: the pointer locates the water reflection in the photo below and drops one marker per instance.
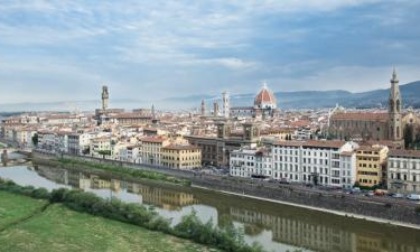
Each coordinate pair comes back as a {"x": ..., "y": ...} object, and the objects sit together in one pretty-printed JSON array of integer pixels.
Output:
[{"x": 276, "y": 227}]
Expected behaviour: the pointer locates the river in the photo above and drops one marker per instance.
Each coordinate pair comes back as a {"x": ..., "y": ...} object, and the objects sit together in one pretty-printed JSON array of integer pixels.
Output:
[{"x": 276, "y": 227}]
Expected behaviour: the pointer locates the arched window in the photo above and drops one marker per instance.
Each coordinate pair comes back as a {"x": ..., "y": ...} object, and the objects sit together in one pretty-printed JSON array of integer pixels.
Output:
[{"x": 398, "y": 105}]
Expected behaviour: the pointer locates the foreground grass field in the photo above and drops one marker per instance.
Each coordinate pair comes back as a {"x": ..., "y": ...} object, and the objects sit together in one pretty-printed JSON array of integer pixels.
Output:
[
  {"x": 13, "y": 208},
  {"x": 60, "y": 229}
]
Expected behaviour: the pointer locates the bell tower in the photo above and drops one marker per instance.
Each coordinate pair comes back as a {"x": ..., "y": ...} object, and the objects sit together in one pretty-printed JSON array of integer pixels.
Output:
[
  {"x": 394, "y": 111},
  {"x": 105, "y": 98}
]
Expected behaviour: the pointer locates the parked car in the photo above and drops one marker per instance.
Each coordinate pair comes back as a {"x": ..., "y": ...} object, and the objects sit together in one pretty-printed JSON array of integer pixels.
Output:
[
  {"x": 398, "y": 195},
  {"x": 381, "y": 192},
  {"x": 284, "y": 181},
  {"x": 413, "y": 197},
  {"x": 369, "y": 194},
  {"x": 355, "y": 190}
]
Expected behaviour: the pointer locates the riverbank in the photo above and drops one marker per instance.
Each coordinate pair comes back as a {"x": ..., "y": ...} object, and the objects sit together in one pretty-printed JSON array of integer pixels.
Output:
[
  {"x": 347, "y": 205},
  {"x": 25, "y": 228},
  {"x": 338, "y": 213},
  {"x": 112, "y": 170}
]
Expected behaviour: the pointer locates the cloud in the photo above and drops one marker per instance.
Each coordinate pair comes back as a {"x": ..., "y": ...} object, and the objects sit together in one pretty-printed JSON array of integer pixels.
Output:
[{"x": 167, "y": 48}]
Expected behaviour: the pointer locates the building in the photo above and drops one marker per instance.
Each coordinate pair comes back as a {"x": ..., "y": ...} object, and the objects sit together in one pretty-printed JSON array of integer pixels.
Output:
[
  {"x": 151, "y": 150},
  {"x": 131, "y": 153},
  {"x": 105, "y": 98},
  {"x": 371, "y": 165},
  {"x": 100, "y": 145},
  {"x": 371, "y": 125},
  {"x": 265, "y": 105},
  {"x": 226, "y": 105},
  {"x": 327, "y": 163},
  {"x": 404, "y": 171},
  {"x": 250, "y": 163},
  {"x": 216, "y": 150},
  {"x": 78, "y": 143},
  {"x": 46, "y": 140},
  {"x": 181, "y": 156}
]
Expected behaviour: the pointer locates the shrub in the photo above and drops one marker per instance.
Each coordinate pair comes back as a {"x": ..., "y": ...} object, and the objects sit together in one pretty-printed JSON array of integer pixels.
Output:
[{"x": 417, "y": 210}]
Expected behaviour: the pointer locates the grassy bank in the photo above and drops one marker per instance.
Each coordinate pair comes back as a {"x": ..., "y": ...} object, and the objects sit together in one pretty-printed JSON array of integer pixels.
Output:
[
  {"x": 190, "y": 227},
  {"x": 60, "y": 229},
  {"x": 119, "y": 171},
  {"x": 14, "y": 208}
]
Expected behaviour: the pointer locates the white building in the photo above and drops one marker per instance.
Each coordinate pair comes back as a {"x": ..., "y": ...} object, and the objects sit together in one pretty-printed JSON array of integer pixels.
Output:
[
  {"x": 46, "y": 140},
  {"x": 327, "y": 163},
  {"x": 250, "y": 163},
  {"x": 131, "y": 154},
  {"x": 404, "y": 171},
  {"x": 99, "y": 144},
  {"x": 78, "y": 143}
]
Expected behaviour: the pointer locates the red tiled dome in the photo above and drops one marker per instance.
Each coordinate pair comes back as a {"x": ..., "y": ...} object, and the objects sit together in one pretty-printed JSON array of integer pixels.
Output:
[{"x": 265, "y": 97}]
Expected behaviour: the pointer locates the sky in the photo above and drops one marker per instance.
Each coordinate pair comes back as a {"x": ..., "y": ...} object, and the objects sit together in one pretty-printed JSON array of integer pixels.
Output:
[{"x": 62, "y": 50}]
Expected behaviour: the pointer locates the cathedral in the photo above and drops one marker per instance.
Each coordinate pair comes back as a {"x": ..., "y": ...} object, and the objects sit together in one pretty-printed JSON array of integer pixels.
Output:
[
  {"x": 380, "y": 126},
  {"x": 265, "y": 106}
]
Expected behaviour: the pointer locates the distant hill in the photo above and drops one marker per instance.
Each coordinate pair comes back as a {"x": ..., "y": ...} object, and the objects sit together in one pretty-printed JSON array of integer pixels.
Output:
[
  {"x": 285, "y": 100},
  {"x": 327, "y": 99}
]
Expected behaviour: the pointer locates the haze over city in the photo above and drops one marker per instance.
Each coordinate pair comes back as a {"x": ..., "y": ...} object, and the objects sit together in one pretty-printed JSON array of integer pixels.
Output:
[{"x": 65, "y": 51}]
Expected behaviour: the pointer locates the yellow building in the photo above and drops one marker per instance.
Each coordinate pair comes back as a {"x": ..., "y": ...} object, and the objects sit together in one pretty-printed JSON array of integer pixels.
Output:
[
  {"x": 151, "y": 150},
  {"x": 371, "y": 165},
  {"x": 181, "y": 156}
]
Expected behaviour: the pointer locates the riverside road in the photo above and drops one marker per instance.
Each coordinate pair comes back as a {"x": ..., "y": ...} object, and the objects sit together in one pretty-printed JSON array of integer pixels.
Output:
[{"x": 383, "y": 207}]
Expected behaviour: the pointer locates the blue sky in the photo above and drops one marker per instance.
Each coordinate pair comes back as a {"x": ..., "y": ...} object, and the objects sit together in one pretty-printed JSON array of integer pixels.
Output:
[{"x": 148, "y": 50}]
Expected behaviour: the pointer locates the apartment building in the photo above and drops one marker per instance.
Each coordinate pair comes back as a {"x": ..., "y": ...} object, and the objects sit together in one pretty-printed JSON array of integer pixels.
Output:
[
  {"x": 78, "y": 143},
  {"x": 152, "y": 148},
  {"x": 181, "y": 156},
  {"x": 98, "y": 145},
  {"x": 371, "y": 165},
  {"x": 327, "y": 163},
  {"x": 250, "y": 163},
  {"x": 404, "y": 171}
]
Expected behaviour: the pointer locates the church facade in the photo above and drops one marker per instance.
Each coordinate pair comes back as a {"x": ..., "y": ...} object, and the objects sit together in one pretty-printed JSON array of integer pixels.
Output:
[{"x": 377, "y": 126}]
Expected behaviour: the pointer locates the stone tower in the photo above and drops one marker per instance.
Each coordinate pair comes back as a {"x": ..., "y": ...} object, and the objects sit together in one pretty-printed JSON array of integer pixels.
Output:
[
  {"x": 105, "y": 98},
  {"x": 226, "y": 106},
  {"x": 215, "y": 109},
  {"x": 203, "y": 108},
  {"x": 395, "y": 123}
]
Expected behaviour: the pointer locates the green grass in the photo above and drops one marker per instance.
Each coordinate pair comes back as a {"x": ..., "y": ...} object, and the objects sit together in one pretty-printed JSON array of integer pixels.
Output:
[
  {"x": 15, "y": 207},
  {"x": 125, "y": 172},
  {"x": 61, "y": 229}
]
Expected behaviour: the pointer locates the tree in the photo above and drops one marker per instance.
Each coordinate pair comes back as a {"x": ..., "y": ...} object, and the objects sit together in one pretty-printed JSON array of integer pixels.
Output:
[
  {"x": 408, "y": 136},
  {"x": 35, "y": 139},
  {"x": 104, "y": 153}
]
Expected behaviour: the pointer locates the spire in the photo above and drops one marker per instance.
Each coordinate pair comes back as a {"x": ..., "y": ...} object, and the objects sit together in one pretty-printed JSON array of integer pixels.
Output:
[
  {"x": 264, "y": 84},
  {"x": 394, "y": 79}
]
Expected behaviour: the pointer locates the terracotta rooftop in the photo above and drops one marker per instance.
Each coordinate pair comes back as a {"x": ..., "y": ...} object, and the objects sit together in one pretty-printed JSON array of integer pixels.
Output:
[
  {"x": 289, "y": 143},
  {"x": 324, "y": 144},
  {"x": 182, "y": 147},
  {"x": 264, "y": 96},
  {"x": 153, "y": 139},
  {"x": 313, "y": 144},
  {"x": 360, "y": 116},
  {"x": 404, "y": 153}
]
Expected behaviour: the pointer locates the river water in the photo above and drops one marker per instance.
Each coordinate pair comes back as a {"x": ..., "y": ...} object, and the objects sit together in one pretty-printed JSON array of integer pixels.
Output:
[{"x": 276, "y": 227}]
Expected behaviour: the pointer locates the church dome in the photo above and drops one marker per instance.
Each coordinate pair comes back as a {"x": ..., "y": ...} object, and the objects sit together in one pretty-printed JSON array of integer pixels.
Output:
[{"x": 265, "y": 99}]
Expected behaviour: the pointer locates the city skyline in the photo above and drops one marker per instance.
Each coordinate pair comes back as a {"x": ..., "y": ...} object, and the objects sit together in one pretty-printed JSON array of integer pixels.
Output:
[{"x": 52, "y": 51}]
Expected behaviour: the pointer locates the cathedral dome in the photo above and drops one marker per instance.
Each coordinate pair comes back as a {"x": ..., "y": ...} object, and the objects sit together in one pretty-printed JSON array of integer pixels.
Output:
[{"x": 265, "y": 99}]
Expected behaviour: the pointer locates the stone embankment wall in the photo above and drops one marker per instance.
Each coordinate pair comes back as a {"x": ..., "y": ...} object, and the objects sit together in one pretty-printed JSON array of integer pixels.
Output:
[{"x": 389, "y": 209}]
